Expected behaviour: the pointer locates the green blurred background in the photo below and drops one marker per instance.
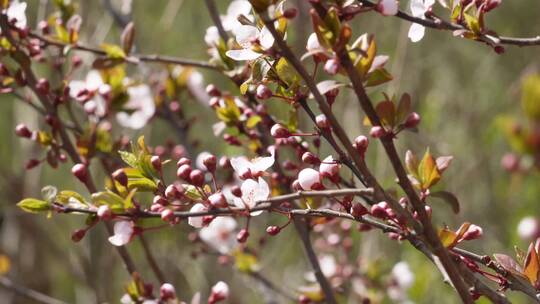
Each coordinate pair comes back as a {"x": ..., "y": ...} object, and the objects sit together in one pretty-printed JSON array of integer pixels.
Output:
[{"x": 458, "y": 86}]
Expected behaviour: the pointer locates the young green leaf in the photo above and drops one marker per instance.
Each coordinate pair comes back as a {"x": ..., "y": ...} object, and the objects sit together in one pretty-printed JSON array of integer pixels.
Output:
[{"x": 33, "y": 205}]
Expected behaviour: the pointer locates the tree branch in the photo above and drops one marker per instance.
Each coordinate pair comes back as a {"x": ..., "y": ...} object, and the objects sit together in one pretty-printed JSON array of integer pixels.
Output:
[{"x": 28, "y": 293}]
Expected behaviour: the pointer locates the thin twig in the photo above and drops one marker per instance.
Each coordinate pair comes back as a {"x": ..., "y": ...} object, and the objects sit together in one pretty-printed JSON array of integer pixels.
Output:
[
  {"x": 28, "y": 293},
  {"x": 151, "y": 260}
]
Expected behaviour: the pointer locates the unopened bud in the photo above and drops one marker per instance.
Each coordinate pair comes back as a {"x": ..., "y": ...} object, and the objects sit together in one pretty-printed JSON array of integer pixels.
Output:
[
  {"x": 212, "y": 90},
  {"x": 78, "y": 235},
  {"x": 42, "y": 86},
  {"x": 279, "y": 131},
  {"x": 104, "y": 212},
  {"x": 322, "y": 121},
  {"x": 273, "y": 230},
  {"x": 290, "y": 13},
  {"x": 263, "y": 92},
  {"x": 22, "y": 131},
  {"x": 310, "y": 158},
  {"x": 196, "y": 177},
  {"x": 121, "y": 177},
  {"x": 361, "y": 144},
  {"x": 167, "y": 292},
  {"x": 210, "y": 162},
  {"x": 242, "y": 236},
  {"x": 167, "y": 215},
  {"x": 81, "y": 172},
  {"x": 412, "y": 120},
  {"x": 218, "y": 200},
  {"x": 156, "y": 162},
  {"x": 377, "y": 131},
  {"x": 378, "y": 211},
  {"x": 183, "y": 172}
]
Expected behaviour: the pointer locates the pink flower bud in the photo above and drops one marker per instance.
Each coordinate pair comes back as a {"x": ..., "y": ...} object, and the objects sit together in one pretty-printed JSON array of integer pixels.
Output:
[
  {"x": 296, "y": 185},
  {"x": 172, "y": 192},
  {"x": 160, "y": 200},
  {"x": 213, "y": 102},
  {"x": 80, "y": 171},
  {"x": 510, "y": 162},
  {"x": 22, "y": 131},
  {"x": 322, "y": 121},
  {"x": 329, "y": 168},
  {"x": 121, "y": 177},
  {"x": 218, "y": 200},
  {"x": 378, "y": 211},
  {"x": 156, "y": 162},
  {"x": 474, "y": 232},
  {"x": 210, "y": 162},
  {"x": 78, "y": 235},
  {"x": 167, "y": 215},
  {"x": 220, "y": 292},
  {"x": 236, "y": 191},
  {"x": 183, "y": 161},
  {"x": 361, "y": 144},
  {"x": 104, "y": 212},
  {"x": 377, "y": 131},
  {"x": 387, "y": 7},
  {"x": 196, "y": 177},
  {"x": 310, "y": 158},
  {"x": 183, "y": 172},
  {"x": 412, "y": 120},
  {"x": 212, "y": 90},
  {"x": 279, "y": 131},
  {"x": 273, "y": 230},
  {"x": 263, "y": 92},
  {"x": 331, "y": 66},
  {"x": 309, "y": 179},
  {"x": 167, "y": 292},
  {"x": 242, "y": 236}
]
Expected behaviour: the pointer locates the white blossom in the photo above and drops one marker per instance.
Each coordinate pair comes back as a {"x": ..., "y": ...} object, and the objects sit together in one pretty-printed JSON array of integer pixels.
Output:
[
  {"x": 123, "y": 231},
  {"x": 197, "y": 221},
  {"x": 418, "y": 10},
  {"x": 256, "y": 166},
  {"x": 252, "y": 192},
  {"x": 141, "y": 102},
  {"x": 219, "y": 234}
]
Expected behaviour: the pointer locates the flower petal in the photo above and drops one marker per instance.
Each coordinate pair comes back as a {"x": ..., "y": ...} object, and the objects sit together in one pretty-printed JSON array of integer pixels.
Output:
[
  {"x": 266, "y": 39},
  {"x": 416, "y": 32},
  {"x": 242, "y": 55},
  {"x": 246, "y": 34},
  {"x": 196, "y": 221}
]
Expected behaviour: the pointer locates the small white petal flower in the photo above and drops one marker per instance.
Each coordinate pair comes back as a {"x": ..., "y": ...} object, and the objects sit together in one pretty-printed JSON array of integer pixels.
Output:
[
  {"x": 256, "y": 166},
  {"x": 528, "y": 228},
  {"x": 197, "y": 221},
  {"x": 211, "y": 37},
  {"x": 220, "y": 234},
  {"x": 250, "y": 37},
  {"x": 252, "y": 192},
  {"x": 237, "y": 7},
  {"x": 403, "y": 275},
  {"x": 308, "y": 178},
  {"x": 123, "y": 231},
  {"x": 418, "y": 10},
  {"x": 16, "y": 11},
  {"x": 141, "y": 102}
]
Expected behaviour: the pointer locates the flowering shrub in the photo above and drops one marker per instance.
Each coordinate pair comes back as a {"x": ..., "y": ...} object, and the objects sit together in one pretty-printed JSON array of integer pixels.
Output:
[{"x": 91, "y": 107}]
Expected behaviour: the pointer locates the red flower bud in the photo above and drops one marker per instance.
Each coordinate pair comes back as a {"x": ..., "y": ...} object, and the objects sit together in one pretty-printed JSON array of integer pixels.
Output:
[
  {"x": 167, "y": 215},
  {"x": 218, "y": 200},
  {"x": 377, "y": 131},
  {"x": 172, "y": 192},
  {"x": 156, "y": 162},
  {"x": 32, "y": 163},
  {"x": 310, "y": 158},
  {"x": 290, "y": 13},
  {"x": 279, "y": 131},
  {"x": 212, "y": 90},
  {"x": 78, "y": 235},
  {"x": 196, "y": 177},
  {"x": 263, "y": 92},
  {"x": 42, "y": 86},
  {"x": 121, "y": 177},
  {"x": 167, "y": 292},
  {"x": 322, "y": 121},
  {"x": 22, "y": 131},
  {"x": 210, "y": 162},
  {"x": 361, "y": 144},
  {"x": 412, "y": 120},
  {"x": 242, "y": 236},
  {"x": 273, "y": 230},
  {"x": 183, "y": 172},
  {"x": 81, "y": 172},
  {"x": 378, "y": 211}
]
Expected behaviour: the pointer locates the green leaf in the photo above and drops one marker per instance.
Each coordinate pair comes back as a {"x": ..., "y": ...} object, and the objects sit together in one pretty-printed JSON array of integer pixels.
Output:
[
  {"x": 137, "y": 180},
  {"x": 245, "y": 262},
  {"x": 428, "y": 172},
  {"x": 377, "y": 77},
  {"x": 113, "y": 200},
  {"x": 449, "y": 198},
  {"x": 128, "y": 158},
  {"x": 64, "y": 196},
  {"x": 192, "y": 192},
  {"x": 286, "y": 72},
  {"x": 33, "y": 205},
  {"x": 113, "y": 51},
  {"x": 253, "y": 121},
  {"x": 230, "y": 113},
  {"x": 472, "y": 23}
]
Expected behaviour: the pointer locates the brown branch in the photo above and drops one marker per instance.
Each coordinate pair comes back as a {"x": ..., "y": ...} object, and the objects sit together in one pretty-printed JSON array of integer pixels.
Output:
[
  {"x": 214, "y": 14},
  {"x": 132, "y": 58},
  {"x": 151, "y": 260},
  {"x": 28, "y": 293},
  {"x": 441, "y": 24}
]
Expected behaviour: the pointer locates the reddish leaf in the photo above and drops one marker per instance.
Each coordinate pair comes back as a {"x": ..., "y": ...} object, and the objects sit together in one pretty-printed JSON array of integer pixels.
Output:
[{"x": 532, "y": 266}]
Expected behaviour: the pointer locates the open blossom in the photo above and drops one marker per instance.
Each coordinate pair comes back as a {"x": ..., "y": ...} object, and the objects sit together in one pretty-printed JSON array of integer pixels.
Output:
[
  {"x": 252, "y": 192},
  {"x": 253, "y": 41},
  {"x": 16, "y": 11},
  {"x": 236, "y": 8},
  {"x": 123, "y": 232},
  {"x": 418, "y": 10},
  {"x": 197, "y": 221},
  {"x": 89, "y": 91},
  {"x": 141, "y": 103},
  {"x": 309, "y": 179},
  {"x": 388, "y": 7},
  {"x": 219, "y": 234},
  {"x": 242, "y": 166}
]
